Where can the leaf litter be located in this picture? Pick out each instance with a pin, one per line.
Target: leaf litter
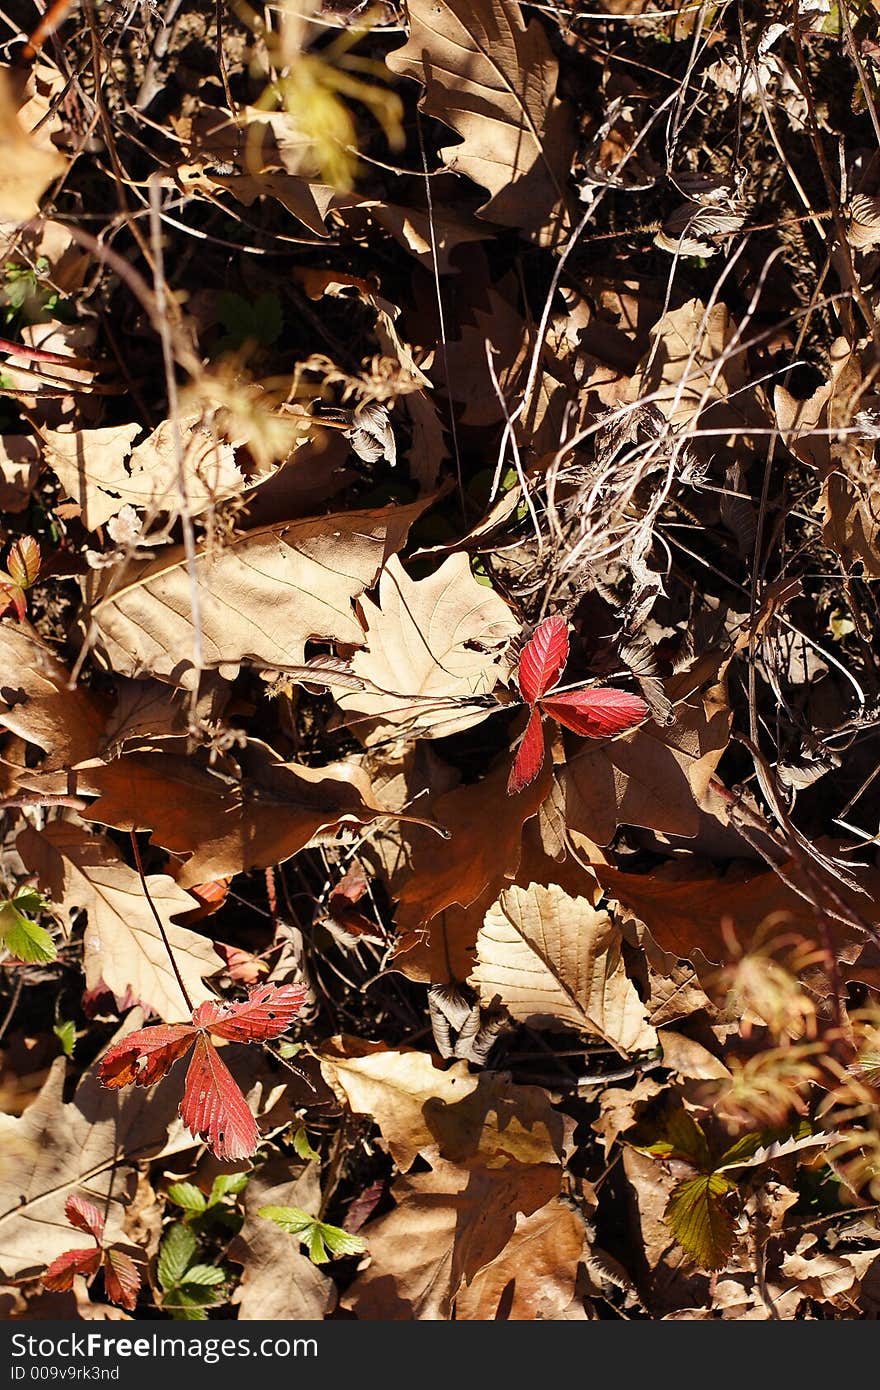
(439, 634)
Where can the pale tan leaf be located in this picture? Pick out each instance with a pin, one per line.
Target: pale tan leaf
(30, 162)
(492, 78)
(261, 596)
(56, 1150)
(555, 961)
(101, 471)
(431, 646)
(123, 948)
(19, 470)
(461, 1117)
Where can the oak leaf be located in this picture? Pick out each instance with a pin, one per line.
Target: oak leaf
(492, 78)
(534, 1277)
(433, 647)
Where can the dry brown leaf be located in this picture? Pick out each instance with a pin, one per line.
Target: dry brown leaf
(30, 162)
(261, 596)
(483, 850)
(82, 1147)
(19, 470)
(222, 826)
(448, 1225)
(101, 471)
(122, 945)
(431, 646)
(533, 1278)
(554, 960)
(492, 78)
(655, 778)
(450, 1113)
(279, 1281)
(37, 703)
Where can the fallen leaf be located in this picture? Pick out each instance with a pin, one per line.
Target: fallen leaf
(261, 596)
(432, 646)
(123, 948)
(555, 961)
(278, 1281)
(534, 1276)
(38, 703)
(492, 78)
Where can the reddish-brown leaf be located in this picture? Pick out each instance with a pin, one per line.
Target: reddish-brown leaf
(122, 1279)
(61, 1272)
(23, 561)
(12, 596)
(543, 658)
(85, 1216)
(529, 757)
(146, 1056)
(267, 1013)
(214, 1108)
(597, 713)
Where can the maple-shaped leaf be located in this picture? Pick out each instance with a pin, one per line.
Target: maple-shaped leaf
(529, 757)
(543, 659)
(213, 1106)
(598, 713)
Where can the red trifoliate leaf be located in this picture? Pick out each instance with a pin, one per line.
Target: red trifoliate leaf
(12, 596)
(530, 756)
(61, 1272)
(543, 658)
(85, 1216)
(598, 713)
(214, 1108)
(146, 1056)
(122, 1279)
(24, 561)
(267, 1013)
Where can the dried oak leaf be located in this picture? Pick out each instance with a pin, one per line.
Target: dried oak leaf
(101, 471)
(555, 961)
(262, 595)
(37, 703)
(492, 78)
(432, 646)
(122, 945)
(30, 161)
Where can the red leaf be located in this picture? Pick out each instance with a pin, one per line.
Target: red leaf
(12, 596)
(85, 1216)
(214, 1108)
(268, 1012)
(543, 658)
(122, 1279)
(24, 561)
(60, 1274)
(146, 1056)
(530, 756)
(596, 713)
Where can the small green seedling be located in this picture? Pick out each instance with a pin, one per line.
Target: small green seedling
(322, 1241)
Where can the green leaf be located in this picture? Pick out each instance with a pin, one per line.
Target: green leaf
(204, 1276)
(681, 1137)
(188, 1196)
(185, 1307)
(24, 939)
(179, 1245)
(323, 1241)
(259, 322)
(302, 1146)
(66, 1034)
(227, 1185)
(700, 1219)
